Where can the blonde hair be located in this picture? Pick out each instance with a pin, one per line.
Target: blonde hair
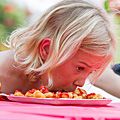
(71, 25)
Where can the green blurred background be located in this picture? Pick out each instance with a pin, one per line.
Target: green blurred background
(13, 16)
(113, 9)
(116, 29)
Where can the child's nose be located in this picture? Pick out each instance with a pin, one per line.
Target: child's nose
(79, 82)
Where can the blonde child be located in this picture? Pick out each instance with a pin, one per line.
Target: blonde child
(69, 42)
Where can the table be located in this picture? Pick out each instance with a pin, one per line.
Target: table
(28, 111)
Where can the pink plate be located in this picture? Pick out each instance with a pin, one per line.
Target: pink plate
(60, 101)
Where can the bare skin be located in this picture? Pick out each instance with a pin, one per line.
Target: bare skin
(109, 81)
(72, 73)
(13, 78)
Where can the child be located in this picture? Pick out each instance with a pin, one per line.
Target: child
(59, 50)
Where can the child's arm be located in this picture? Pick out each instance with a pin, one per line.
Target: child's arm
(109, 81)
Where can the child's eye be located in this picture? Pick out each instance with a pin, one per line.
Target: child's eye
(80, 69)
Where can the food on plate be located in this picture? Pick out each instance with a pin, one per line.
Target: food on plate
(38, 94)
(94, 96)
(44, 93)
(72, 95)
(49, 94)
(30, 93)
(18, 93)
(43, 89)
(80, 91)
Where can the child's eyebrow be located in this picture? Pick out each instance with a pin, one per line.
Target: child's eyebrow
(86, 64)
(90, 66)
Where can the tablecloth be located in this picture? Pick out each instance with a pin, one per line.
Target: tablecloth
(29, 111)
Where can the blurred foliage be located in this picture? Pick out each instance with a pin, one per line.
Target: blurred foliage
(11, 17)
(106, 5)
(116, 28)
(116, 24)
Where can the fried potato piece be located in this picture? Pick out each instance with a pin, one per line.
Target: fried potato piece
(94, 96)
(58, 94)
(30, 93)
(49, 95)
(43, 89)
(18, 93)
(65, 95)
(80, 91)
(38, 94)
(78, 97)
(84, 96)
(72, 95)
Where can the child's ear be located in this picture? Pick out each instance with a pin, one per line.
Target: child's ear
(44, 48)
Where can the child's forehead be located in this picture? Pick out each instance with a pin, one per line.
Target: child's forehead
(83, 54)
(89, 60)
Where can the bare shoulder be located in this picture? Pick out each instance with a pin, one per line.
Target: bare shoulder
(9, 74)
(6, 61)
(5, 57)
(11, 77)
